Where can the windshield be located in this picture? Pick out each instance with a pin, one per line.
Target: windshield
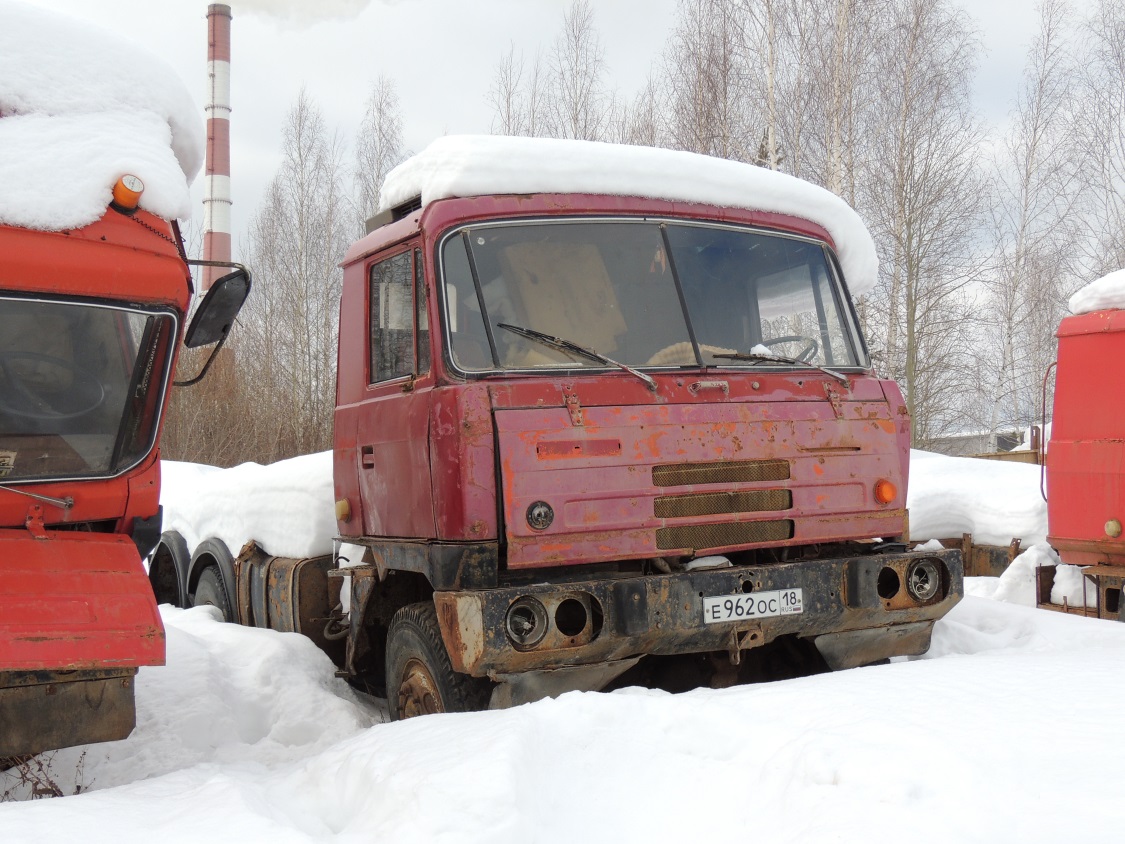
(81, 387)
(644, 293)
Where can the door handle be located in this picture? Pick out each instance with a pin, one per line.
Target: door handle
(367, 456)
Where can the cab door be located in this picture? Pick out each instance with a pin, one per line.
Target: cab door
(392, 424)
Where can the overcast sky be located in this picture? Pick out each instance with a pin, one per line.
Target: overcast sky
(442, 55)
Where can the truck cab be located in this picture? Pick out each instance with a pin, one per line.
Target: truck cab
(90, 322)
(580, 432)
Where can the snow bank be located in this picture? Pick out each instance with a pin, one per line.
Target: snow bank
(81, 106)
(477, 165)
(228, 695)
(857, 756)
(1107, 292)
(996, 502)
(288, 506)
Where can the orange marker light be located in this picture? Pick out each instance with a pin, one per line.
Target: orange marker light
(885, 491)
(127, 192)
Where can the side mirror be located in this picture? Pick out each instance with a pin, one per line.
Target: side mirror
(215, 316)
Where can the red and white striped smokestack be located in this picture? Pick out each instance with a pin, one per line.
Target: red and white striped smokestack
(216, 190)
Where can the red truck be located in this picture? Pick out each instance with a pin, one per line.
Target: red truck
(585, 438)
(90, 321)
(1085, 462)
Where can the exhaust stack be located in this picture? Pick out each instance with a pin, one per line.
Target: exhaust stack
(216, 190)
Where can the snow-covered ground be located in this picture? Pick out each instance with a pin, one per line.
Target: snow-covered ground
(1005, 731)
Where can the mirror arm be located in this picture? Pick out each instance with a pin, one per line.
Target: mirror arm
(206, 366)
(198, 262)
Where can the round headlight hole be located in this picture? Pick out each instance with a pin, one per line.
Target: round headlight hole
(571, 617)
(888, 583)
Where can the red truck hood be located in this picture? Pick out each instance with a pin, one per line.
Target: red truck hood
(75, 600)
(652, 480)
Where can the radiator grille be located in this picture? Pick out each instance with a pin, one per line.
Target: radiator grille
(711, 503)
(734, 472)
(721, 536)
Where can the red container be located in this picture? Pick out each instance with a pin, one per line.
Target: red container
(1086, 456)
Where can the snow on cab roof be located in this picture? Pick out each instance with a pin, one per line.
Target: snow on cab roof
(1107, 292)
(479, 165)
(80, 106)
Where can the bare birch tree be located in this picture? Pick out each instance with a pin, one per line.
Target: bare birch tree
(517, 96)
(923, 202)
(297, 238)
(1035, 189)
(1101, 134)
(706, 75)
(578, 104)
(378, 148)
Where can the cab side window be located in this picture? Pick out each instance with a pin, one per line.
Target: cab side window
(398, 302)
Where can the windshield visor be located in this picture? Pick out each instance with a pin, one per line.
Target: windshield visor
(644, 293)
(81, 387)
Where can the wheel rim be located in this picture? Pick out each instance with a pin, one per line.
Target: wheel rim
(417, 691)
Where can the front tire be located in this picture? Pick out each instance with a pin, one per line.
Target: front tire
(420, 678)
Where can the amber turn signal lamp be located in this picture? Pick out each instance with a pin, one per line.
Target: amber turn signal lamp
(885, 491)
(127, 193)
(343, 510)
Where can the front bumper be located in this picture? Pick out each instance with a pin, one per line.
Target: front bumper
(851, 609)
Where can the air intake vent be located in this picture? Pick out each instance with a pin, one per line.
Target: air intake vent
(699, 537)
(708, 504)
(739, 472)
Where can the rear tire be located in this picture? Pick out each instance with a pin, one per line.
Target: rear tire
(420, 678)
(209, 591)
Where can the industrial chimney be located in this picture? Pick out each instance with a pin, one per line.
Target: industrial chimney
(216, 189)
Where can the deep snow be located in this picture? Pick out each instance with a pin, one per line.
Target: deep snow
(1004, 732)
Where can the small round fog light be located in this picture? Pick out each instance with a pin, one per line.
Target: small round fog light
(540, 515)
(526, 622)
(923, 580)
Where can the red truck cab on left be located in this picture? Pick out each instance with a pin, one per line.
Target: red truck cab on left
(90, 321)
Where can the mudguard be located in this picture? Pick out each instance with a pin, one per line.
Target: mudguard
(73, 600)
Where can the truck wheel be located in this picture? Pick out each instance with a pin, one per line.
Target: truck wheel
(209, 590)
(420, 679)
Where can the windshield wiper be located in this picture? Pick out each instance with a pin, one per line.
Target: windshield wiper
(756, 358)
(63, 503)
(571, 346)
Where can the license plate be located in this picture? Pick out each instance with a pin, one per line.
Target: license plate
(718, 608)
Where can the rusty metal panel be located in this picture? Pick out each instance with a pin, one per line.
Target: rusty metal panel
(75, 601)
(663, 614)
(720, 472)
(45, 710)
(601, 504)
(713, 503)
